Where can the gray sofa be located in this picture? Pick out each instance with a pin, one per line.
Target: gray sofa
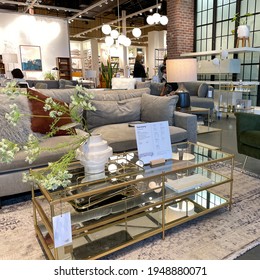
(115, 109)
(198, 92)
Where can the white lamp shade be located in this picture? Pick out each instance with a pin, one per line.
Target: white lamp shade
(136, 32)
(114, 34)
(121, 39)
(109, 41)
(163, 20)
(106, 29)
(150, 20)
(156, 18)
(181, 70)
(127, 42)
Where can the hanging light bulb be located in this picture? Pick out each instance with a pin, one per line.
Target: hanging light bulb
(106, 29)
(114, 34)
(109, 41)
(121, 39)
(127, 42)
(156, 18)
(150, 20)
(136, 32)
(163, 20)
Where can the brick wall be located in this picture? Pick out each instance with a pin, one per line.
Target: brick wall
(180, 28)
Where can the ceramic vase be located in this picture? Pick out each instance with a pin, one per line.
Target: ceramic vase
(243, 31)
(94, 154)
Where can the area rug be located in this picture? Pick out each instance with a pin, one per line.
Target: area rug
(222, 234)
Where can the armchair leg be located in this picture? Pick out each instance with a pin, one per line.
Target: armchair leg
(245, 162)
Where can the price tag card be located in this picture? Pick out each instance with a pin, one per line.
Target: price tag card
(62, 229)
(153, 141)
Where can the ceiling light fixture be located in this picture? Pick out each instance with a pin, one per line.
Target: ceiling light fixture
(115, 34)
(156, 18)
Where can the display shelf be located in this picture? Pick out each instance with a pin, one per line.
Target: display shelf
(111, 211)
(64, 67)
(159, 56)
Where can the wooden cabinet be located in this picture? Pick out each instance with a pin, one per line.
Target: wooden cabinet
(64, 66)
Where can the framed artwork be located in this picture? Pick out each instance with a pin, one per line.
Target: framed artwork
(31, 58)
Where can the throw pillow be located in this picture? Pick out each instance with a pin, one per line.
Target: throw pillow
(203, 90)
(123, 83)
(42, 124)
(64, 83)
(158, 108)
(111, 112)
(156, 88)
(19, 133)
(146, 84)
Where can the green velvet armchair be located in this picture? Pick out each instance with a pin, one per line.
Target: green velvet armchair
(248, 134)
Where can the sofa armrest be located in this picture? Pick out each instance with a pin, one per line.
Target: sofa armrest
(187, 122)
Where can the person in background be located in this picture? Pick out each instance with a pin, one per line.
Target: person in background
(139, 71)
(168, 88)
(18, 75)
(160, 72)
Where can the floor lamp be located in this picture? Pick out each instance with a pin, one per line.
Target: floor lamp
(180, 71)
(9, 59)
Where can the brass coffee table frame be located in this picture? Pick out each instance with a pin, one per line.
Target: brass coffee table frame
(144, 213)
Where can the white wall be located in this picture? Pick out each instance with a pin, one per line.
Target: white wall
(51, 34)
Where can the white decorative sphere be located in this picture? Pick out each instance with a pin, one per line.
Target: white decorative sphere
(163, 20)
(136, 32)
(106, 29)
(156, 18)
(216, 61)
(109, 41)
(114, 34)
(127, 42)
(150, 20)
(121, 39)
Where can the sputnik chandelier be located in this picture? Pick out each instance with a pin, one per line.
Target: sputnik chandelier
(156, 18)
(114, 34)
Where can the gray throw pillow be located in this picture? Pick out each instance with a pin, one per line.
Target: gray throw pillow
(64, 83)
(146, 84)
(111, 112)
(158, 108)
(156, 88)
(203, 90)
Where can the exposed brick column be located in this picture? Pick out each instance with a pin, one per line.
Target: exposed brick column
(180, 28)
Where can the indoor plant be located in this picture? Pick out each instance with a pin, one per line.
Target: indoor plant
(107, 72)
(242, 28)
(56, 173)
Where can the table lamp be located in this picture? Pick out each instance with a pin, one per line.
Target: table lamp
(180, 71)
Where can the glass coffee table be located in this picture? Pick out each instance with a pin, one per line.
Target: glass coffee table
(130, 201)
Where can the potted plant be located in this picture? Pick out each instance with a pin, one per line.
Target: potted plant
(107, 72)
(243, 29)
(49, 76)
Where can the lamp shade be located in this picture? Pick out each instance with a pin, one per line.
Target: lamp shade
(181, 70)
(10, 58)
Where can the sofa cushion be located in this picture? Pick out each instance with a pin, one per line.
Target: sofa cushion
(192, 87)
(251, 138)
(111, 112)
(60, 94)
(119, 94)
(203, 90)
(146, 84)
(122, 138)
(64, 83)
(42, 124)
(202, 102)
(156, 88)
(19, 133)
(158, 108)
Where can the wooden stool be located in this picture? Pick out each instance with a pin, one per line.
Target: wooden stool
(243, 39)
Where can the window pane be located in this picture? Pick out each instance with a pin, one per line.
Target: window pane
(243, 8)
(203, 45)
(251, 7)
(225, 12)
(204, 17)
(209, 45)
(220, 2)
(231, 42)
(257, 21)
(219, 13)
(224, 42)
(255, 71)
(218, 41)
(255, 57)
(258, 6)
(203, 34)
(198, 46)
(210, 16)
(248, 57)
(210, 4)
(198, 33)
(225, 30)
(210, 31)
(205, 6)
(218, 31)
(199, 5)
(256, 42)
(232, 10)
(247, 69)
(199, 19)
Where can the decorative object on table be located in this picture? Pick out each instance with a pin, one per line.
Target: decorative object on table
(49, 117)
(94, 154)
(243, 29)
(180, 71)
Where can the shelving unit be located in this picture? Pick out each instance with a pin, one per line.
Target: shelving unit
(159, 56)
(2, 66)
(113, 210)
(64, 66)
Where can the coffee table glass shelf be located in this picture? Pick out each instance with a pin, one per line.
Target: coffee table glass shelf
(130, 202)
